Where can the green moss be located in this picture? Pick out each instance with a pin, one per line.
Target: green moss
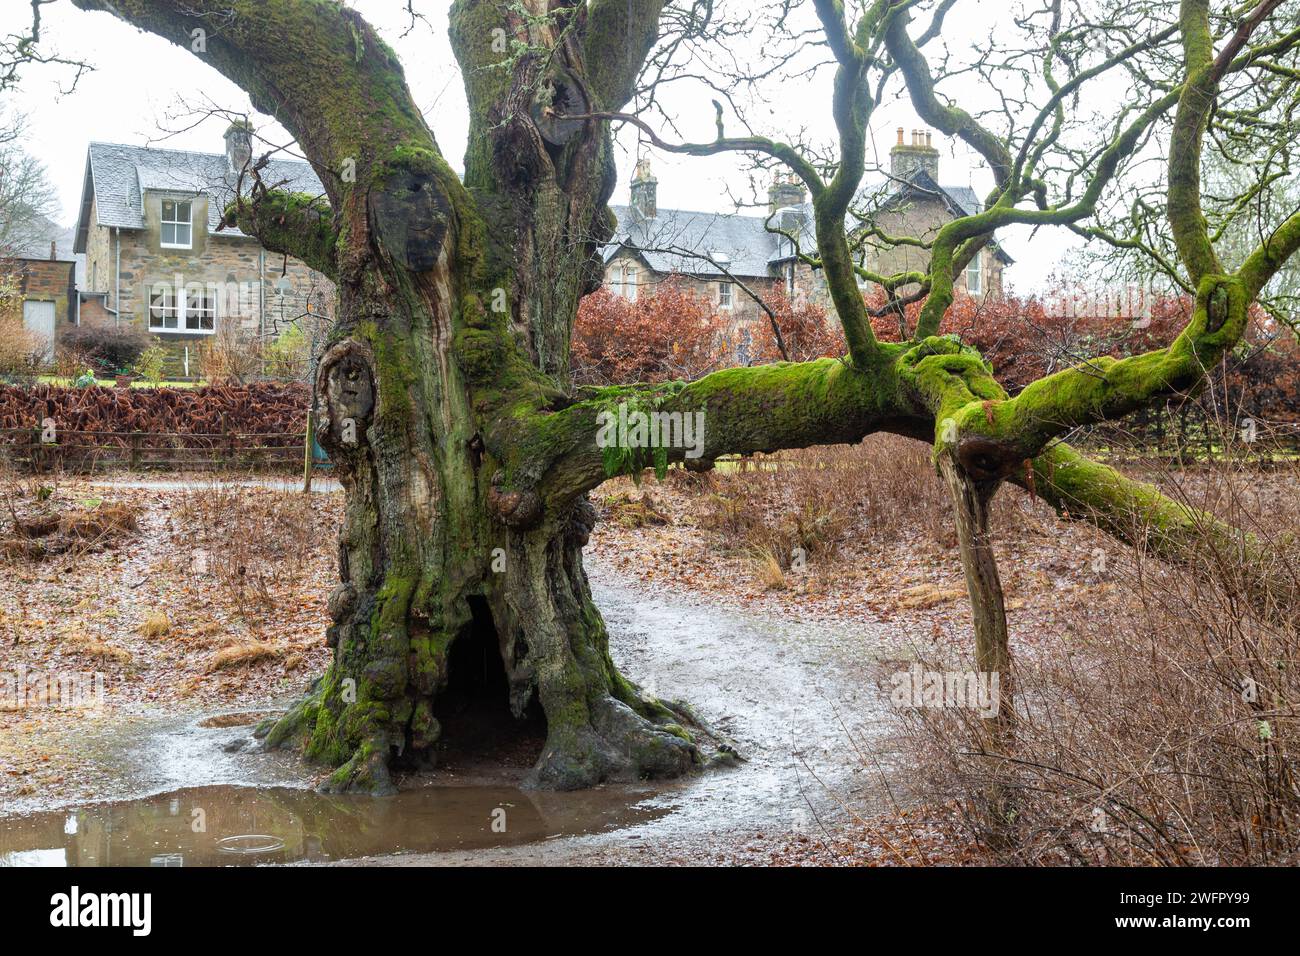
(395, 373)
(479, 352)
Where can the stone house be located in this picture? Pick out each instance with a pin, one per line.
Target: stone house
(913, 203)
(725, 257)
(148, 229)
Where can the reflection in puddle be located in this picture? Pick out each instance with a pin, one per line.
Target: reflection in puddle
(240, 826)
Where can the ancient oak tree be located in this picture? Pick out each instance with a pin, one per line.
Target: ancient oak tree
(445, 397)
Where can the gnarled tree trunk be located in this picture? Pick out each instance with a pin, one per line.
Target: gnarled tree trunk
(455, 317)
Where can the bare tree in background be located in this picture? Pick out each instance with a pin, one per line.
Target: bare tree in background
(28, 201)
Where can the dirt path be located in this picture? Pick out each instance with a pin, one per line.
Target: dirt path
(798, 701)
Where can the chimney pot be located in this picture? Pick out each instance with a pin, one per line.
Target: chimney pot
(239, 147)
(905, 159)
(784, 193)
(645, 191)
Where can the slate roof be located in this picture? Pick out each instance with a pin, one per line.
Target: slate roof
(666, 242)
(740, 243)
(118, 176)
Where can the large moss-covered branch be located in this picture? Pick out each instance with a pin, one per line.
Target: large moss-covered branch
(315, 65)
(1138, 514)
(295, 224)
(547, 457)
(559, 454)
(1106, 388)
(327, 76)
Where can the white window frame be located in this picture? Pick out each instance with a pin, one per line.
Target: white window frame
(177, 222)
(188, 306)
(160, 312)
(629, 282)
(725, 294)
(200, 304)
(974, 270)
(789, 280)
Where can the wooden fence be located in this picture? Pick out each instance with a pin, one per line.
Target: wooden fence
(39, 450)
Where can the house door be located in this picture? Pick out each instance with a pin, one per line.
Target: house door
(38, 318)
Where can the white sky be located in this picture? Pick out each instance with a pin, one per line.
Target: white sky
(143, 87)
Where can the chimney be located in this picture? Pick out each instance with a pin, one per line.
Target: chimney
(906, 158)
(785, 191)
(239, 146)
(52, 253)
(645, 189)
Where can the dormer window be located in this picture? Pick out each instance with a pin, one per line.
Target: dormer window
(177, 224)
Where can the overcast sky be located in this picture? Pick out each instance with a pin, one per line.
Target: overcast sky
(144, 91)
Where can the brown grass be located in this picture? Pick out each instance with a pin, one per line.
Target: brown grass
(156, 624)
(243, 654)
(87, 646)
(1157, 725)
(252, 540)
(633, 511)
(104, 520)
(929, 595)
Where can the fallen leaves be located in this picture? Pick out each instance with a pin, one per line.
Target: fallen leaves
(166, 618)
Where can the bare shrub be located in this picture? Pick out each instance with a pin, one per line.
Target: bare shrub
(20, 348)
(231, 355)
(107, 349)
(884, 488)
(71, 362)
(254, 540)
(1155, 728)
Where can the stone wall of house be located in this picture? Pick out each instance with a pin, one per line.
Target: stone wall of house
(922, 218)
(743, 308)
(245, 280)
(94, 311)
(46, 280)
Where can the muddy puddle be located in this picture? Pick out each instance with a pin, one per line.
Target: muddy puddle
(247, 826)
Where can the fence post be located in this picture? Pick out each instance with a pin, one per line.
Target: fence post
(307, 454)
(136, 438)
